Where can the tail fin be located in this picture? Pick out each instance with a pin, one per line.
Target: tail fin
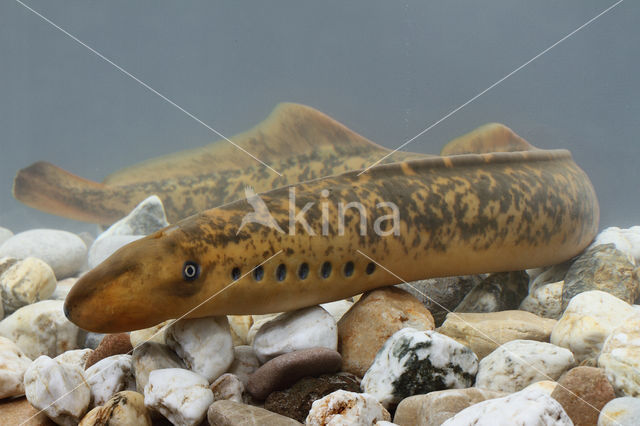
(53, 190)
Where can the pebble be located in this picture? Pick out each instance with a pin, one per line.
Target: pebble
(5, 234)
(151, 334)
(544, 300)
(63, 251)
(524, 408)
(58, 389)
(13, 364)
(240, 326)
(77, 357)
(104, 247)
(372, 320)
(337, 309)
(284, 370)
(346, 408)
(245, 362)
(125, 408)
(602, 268)
(295, 402)
(546, 386)
(414, 362)
(231, 413)
(203, 344)
(519, 363)
(63, 288)
(589, 318)
(110, 375)
(484, 332)
(18, 411)
(111, 344)
(146, 218)
(92, 340)
(620, 357)
(182, 396)
(293, 331)
(42, 329)
(625, 240)
(26, 281)
(228, 386)
(435, 408)
(151, 356)
(441, 295)
(582, 392)
(497, 292)
(552, 274)
(257, 321)
(624, 411)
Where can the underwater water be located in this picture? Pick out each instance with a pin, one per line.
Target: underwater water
(387, 70)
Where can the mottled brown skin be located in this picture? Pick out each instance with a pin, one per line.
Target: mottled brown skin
(459, 215)
(298, 141)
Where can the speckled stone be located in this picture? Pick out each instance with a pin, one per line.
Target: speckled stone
(372, 320)
(111, 344)
(25, 282)
(583, 391)
(414, 362)
(109, 376)
(346, 408)
(18, 411)
(227, 386)
(623, 411)
(42, 328)
(497, 292)
(13, 364)
(620, 357)
(296, 401)
(124, 408)
(441, 295)
(230, 413)
(283, 371)
(435, 408)
(527, 407)
(545, 300)
(519, 363)
(590, 317)
(625, 240)
(602, 268)
(484, 332)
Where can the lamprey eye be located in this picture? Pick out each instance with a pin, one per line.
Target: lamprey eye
(190, 270)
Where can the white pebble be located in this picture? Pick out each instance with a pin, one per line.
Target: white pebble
(415, 362)
(524, 408)
(63, 251)
(623, 411)
(25, 282)
(77, 357)
(292, 331)
(102, 248)
(620, 357)
(343, 408)
(587, 321)
(146, 218)
(204, 344)
(13, 364)
(42, 329)
(58, 389)
(110, 375)
(180, 395)
(519, 363)
(5, 234)
(625, 240)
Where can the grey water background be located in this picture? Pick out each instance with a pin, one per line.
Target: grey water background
(386, 69)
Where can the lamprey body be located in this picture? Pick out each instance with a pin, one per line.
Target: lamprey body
(458, 214)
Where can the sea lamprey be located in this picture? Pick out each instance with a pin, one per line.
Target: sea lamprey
(428, 217)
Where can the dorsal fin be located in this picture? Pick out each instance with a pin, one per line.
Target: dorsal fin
(491, 137)
(290, 130)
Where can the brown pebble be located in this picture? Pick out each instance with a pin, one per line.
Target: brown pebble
(284, 370)
(582, 392)
(18, 411)
(111, 344)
